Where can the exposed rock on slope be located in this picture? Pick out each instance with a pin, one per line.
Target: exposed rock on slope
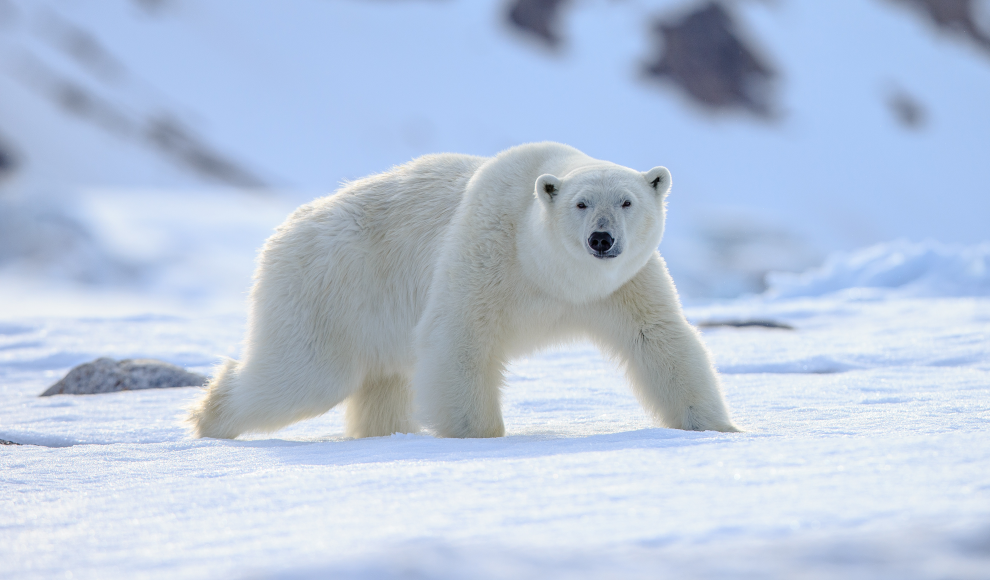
(958, 16)
(538, 18)
(7, 162)
(704, 54)
(61, 61)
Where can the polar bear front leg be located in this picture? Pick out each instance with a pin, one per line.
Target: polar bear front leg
(666, 361)
(459, 374)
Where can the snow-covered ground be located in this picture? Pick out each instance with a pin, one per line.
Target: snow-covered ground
(865, 456)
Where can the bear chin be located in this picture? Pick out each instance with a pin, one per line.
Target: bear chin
(605, 256)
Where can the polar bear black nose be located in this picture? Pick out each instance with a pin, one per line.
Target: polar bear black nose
(600, 241)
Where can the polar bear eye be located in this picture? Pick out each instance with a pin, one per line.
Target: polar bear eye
(626, 203)
(581, 205)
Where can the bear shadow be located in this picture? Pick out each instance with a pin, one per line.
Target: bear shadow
(424, 447)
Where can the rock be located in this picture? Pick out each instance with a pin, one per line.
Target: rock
(105, 375)
(960, 17)
(908, 111)
(7, 160)
(538, 18)
(745, 324)
(704, 53)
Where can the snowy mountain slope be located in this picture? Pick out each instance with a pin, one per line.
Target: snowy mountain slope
(307, 96)
(133, 251)
(76, 115)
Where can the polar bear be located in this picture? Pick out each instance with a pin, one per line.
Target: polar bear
(412, 289)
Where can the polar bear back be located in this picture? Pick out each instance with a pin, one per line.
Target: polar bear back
(358, 264)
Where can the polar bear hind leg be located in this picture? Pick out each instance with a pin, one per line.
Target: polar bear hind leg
(240, 399)
(381, 407)
(211, 415)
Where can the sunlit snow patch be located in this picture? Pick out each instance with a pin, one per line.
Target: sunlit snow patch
(910, 269)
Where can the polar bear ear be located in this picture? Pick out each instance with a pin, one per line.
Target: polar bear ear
(659, 179)
(547, 187)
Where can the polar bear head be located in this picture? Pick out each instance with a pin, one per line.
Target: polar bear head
(607, 219)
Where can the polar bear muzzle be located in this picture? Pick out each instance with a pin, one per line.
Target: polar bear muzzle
(602, 245)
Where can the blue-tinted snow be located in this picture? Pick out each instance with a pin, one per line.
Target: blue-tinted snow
(910, 269)
(869, 465)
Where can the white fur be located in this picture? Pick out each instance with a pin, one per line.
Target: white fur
(415, 287)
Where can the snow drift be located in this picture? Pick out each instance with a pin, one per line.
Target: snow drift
(910, 269)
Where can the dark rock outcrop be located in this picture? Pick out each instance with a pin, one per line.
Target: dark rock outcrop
(537, 18)
(746, 324)
(703, 53)
(908, 111)
(7, 161)
(105, 375)
(955, 16)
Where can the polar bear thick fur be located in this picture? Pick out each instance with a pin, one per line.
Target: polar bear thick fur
(412, 289)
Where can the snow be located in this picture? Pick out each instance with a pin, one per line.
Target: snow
(865, 456)
(330, 91)
(135, 251)
(915, 269)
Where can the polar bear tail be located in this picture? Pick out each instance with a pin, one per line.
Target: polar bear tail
(212, 414)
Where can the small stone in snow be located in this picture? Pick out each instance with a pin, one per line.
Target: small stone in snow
(105, 375)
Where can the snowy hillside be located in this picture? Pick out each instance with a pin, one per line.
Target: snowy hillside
(878, 129)
(922, 269)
